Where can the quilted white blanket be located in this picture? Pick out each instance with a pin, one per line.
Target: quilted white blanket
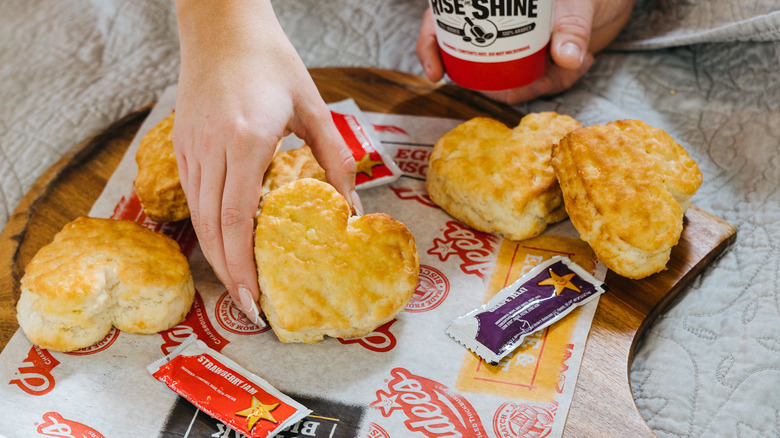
(710, 366)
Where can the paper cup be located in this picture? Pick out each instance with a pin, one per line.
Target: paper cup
(492, 45)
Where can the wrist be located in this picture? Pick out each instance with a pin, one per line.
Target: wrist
(216, 30)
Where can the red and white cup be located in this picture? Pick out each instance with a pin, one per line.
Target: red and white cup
(491, 45)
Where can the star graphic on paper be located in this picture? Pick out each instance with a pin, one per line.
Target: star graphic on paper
(386, 403)
(366, 165)
(560, 282)
(258, 411)
(443, 249)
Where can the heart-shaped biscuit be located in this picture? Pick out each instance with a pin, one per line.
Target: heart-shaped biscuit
(322, 272)
(102, 272)
(499, 180)
(626, 186)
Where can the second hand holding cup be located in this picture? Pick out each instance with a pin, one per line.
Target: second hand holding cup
(492, 47)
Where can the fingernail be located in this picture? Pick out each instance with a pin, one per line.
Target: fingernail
(249, 306)
(356, 203)
(571, 50)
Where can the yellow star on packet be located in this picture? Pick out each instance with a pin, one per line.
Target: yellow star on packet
(258, 411)
(366, 165)
(560, 282)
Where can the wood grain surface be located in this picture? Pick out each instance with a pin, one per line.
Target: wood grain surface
(602, 406)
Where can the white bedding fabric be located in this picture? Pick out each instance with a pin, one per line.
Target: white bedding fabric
(710, 366)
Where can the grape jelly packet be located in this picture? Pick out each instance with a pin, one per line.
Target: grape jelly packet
(548, 292)
(226, 391)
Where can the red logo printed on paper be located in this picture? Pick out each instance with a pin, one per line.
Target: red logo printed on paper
(431, 408)
(99, 346)
(197, 322)
(431, 290)
(376, 431)
(516, 419)
(35, 376)
(56, 426)
(419, 194)
(130, 208)
(392, 129)
(234, 320)
(413, 160)
(564, 368)
(474, 248)
(380, 340)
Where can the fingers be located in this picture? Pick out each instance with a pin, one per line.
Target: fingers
(223, 185)
(556, 80)
(609, 18)
(572, 25)
(314, 124)
(569, 49)
(242, 186)
(205, 204)
(428, 49)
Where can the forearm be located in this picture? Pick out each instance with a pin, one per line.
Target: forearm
(220, 36)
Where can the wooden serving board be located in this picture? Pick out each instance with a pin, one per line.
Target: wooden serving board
(602, 405)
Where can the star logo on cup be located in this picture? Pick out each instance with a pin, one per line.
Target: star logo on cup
(560, 282)
(258, 411)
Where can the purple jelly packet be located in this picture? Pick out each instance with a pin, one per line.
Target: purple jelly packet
(547, 293)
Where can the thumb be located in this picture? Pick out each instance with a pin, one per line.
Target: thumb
(317, 129)
(572, 25)
(428, 49)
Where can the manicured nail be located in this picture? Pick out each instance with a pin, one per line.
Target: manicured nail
(249, 306)
(356, 203)
(571, 50)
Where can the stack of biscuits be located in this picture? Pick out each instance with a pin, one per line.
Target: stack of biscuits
(625, 185)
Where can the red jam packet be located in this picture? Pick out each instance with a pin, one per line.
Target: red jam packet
(547, 293)
(226, 391)
(373, 166)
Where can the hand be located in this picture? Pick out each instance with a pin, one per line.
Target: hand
(242, 88)
(580, 30)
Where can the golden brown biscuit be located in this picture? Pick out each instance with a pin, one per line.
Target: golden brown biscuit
(499, 180)
(157, 185)
(102, 272)
(289, 166)
(626, 186)
(322, 272)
